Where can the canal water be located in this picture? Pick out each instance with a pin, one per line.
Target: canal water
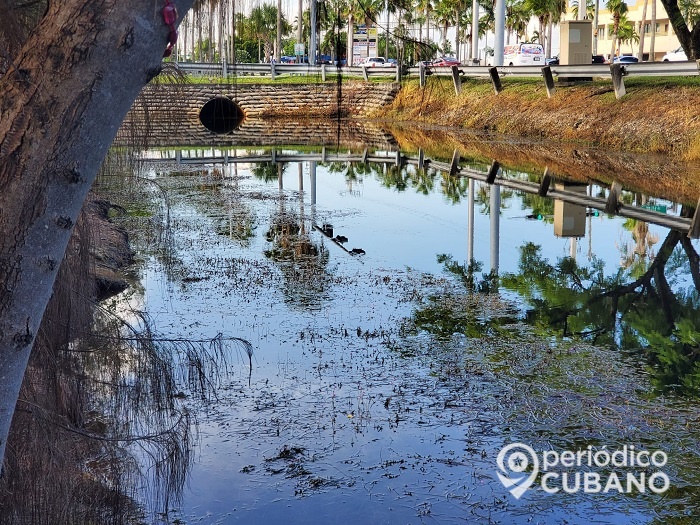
(387, 372)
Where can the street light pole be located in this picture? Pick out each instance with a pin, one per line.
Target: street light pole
(500, 30)
(475, 32)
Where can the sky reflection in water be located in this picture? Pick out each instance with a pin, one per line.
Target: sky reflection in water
(357, 415)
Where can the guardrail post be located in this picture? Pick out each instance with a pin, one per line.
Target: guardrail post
(421, 158)
(548, 80)
(454, 166)
(456, 79)
(398, 72)
(365, 154)
(399, 159)
(323, 72)
(495, 80)
(273, 156)
(694, 231)
(493, 171)
(272, 70)
(617, 71)
(224, 68)
(544, 185)
(613, 203)
(421, 73)
(364, 73)
(323, 154)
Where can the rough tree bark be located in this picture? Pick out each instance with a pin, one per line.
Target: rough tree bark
(688, 38)
(61, 103)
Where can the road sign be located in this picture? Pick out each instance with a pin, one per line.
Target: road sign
(661, 208)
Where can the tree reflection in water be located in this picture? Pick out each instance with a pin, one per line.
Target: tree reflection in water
(302, 261)
(647, 311)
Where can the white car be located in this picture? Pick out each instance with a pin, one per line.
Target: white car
(373, 62)
(677, 55)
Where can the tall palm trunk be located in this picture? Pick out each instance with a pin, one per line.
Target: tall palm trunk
(199, 35)
(351, 38)
(232, 33)
(278, 39)
(458, 28)
(221, 23)
(210, 30)
(642, 25)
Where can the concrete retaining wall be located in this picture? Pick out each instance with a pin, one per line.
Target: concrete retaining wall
(169, 115)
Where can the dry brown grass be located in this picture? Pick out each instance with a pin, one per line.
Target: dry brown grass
(658, 117)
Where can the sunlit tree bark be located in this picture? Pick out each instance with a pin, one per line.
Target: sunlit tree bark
(61, 102)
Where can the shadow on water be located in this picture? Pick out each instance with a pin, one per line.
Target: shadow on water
(101, 433)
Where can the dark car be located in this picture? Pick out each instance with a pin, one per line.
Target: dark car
(626, 59)
(596, 59)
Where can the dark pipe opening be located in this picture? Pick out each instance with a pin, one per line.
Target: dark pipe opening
(221, 115)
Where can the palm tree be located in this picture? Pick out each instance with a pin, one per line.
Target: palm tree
(590, 9)
(627, 34)
(617, 8)
(368, 10)
(445, 16)
(517, 17)
(263, 27)
(544, 10)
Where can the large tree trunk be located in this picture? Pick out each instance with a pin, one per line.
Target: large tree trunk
(61, 102)
(689, 39)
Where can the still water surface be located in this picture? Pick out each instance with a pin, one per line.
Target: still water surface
(384, 383)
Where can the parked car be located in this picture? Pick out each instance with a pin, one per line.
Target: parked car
(677, 55)
(288, 59)
(625, 59)
(445, 62)
(595, 59)
(392, 62)
(372, 62)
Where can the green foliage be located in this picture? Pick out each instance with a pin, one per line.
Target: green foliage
(567, 299)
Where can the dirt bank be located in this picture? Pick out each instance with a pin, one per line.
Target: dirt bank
(656, 115)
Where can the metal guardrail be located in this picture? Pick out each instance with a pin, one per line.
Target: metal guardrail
(274, 70)
(615, 72)
(611, 204)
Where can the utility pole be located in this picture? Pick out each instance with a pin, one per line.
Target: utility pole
(499, 33)
(475, 32)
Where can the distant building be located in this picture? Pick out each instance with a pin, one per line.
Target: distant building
(665, 37)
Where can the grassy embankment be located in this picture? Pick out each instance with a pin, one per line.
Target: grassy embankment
(656, 115)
